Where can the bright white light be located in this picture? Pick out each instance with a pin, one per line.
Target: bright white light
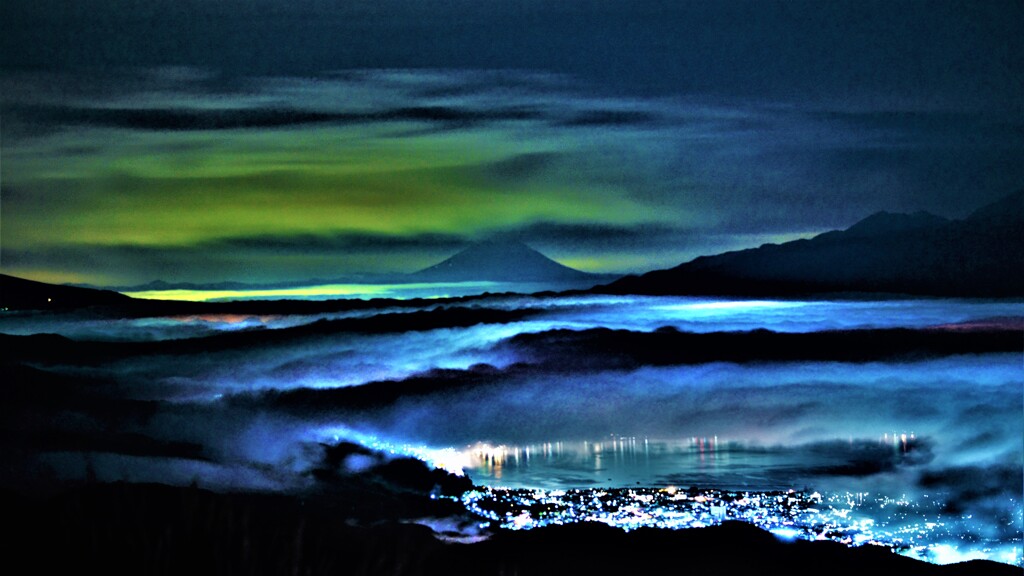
(948, 554)
(447, 459)
(732, 305)
(785, 533)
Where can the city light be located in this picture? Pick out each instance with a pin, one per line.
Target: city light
(919, 529)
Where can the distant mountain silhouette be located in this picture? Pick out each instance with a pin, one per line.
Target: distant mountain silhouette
(919, 254)
(159, 285)
(881, 223)
(494, 261)
(501, 262)
(18, 293)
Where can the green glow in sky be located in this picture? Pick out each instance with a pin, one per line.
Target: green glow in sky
(120, 178)
(317, 182)
(165, 191)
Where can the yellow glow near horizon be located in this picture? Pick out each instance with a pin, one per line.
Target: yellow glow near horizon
(398, 291)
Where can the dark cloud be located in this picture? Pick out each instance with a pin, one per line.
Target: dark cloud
(185, 119)
(596, 236)
(312, 243)
(936, 53)
(926, 123)
(372, 396)
(973, 483)
(521, 166)
(984, 493)
(607, 118)
(167, 262)
(150, 262)
(867, 457)
(454, 115)
(615, 349)
(981, 440)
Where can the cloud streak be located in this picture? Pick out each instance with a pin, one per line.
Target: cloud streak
(180, 119)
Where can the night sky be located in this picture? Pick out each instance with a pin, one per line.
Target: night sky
(265, 140)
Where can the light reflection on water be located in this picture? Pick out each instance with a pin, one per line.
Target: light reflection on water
(698, 461)
(631, 482)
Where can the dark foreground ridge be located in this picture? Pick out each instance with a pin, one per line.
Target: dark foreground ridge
(21, 294)
(143, 529)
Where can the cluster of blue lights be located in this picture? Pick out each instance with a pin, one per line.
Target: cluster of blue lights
(914, 528)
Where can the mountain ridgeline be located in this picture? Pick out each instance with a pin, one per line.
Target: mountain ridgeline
(501, 262)
(919, 254)
(21, 294)
(914, 254)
